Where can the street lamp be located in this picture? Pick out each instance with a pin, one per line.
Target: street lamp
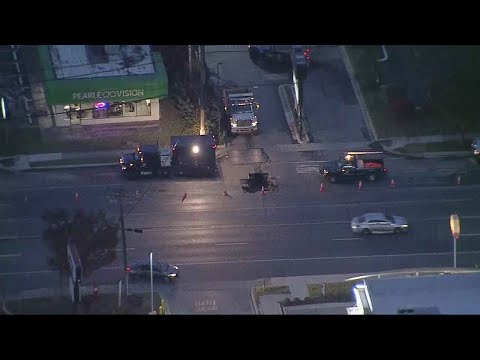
(455, 228)
(151, 280)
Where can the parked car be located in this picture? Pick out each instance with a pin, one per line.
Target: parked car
(160, 269)
(379, 223)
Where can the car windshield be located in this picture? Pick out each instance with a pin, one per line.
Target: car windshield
(389, 218)
(361, 219)
(242, 108)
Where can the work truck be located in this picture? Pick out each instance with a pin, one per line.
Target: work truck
(241, 111)
(186, 155)
(355, 165)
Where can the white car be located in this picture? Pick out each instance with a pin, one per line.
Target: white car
(379, 223)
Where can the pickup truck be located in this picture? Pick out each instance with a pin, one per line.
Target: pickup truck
(355, 165)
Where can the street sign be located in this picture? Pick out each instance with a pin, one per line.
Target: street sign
(74, 262)
(455, 226)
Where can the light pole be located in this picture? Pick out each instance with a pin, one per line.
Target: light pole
(151, 280)
(455, 228)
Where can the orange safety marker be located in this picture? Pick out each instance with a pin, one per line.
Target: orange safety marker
(360, 185)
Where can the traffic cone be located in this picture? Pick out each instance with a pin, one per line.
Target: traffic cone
(263, 191)
(360, 185)
(459, 180)
(184, 196)
(77, 196)
(322, 189)
(392, 183)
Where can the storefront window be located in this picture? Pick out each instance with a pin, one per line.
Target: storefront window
(104, 109)
(144, 108)
(130, 109)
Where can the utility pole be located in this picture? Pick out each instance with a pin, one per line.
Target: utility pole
(124, 242)
(190, 65)
(202, 89)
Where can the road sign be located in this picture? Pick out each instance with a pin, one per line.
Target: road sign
(455, 226)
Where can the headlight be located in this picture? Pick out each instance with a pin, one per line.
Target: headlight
(172, 275)
(354, 226)
(234, 124)
(195, 149)
(476, 152)
(254, 123)
(404, 226)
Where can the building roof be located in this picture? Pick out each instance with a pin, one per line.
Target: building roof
(93, 61)
(444, 294)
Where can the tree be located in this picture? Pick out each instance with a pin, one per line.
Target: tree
(95, 235)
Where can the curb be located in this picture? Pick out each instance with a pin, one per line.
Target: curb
(252, 297)
(223, 152)
(358, 94)
(288, 113)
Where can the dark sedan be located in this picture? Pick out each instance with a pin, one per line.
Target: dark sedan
(160, 270)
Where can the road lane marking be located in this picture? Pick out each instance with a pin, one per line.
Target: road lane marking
(327, 258)
(463, 235)
(406, 202)
(128, 249)
(347, 239)
(245, 226)
(10, 255)
(232, 243)
(449, 253)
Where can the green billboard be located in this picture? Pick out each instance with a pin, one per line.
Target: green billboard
(113, 88)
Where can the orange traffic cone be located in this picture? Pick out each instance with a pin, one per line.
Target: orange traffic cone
(322, 189)
(392, 183)
(360, 185)
(77, 196)
(459, 180)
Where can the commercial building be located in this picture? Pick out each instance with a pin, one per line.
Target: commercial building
(99, 84)
(416, 293)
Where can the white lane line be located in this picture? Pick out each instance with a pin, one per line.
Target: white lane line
(404, 202)
(15, 237)
(10, 255)
(246, 226)
(128, 249)
(463, 235)
(449, 253)
(233, 243)
(347, 239)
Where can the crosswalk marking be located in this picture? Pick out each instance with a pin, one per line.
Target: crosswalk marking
(308, 169)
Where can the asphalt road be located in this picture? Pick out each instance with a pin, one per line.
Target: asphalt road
(231, 240)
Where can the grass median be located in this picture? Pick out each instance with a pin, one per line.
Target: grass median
(269, 290)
